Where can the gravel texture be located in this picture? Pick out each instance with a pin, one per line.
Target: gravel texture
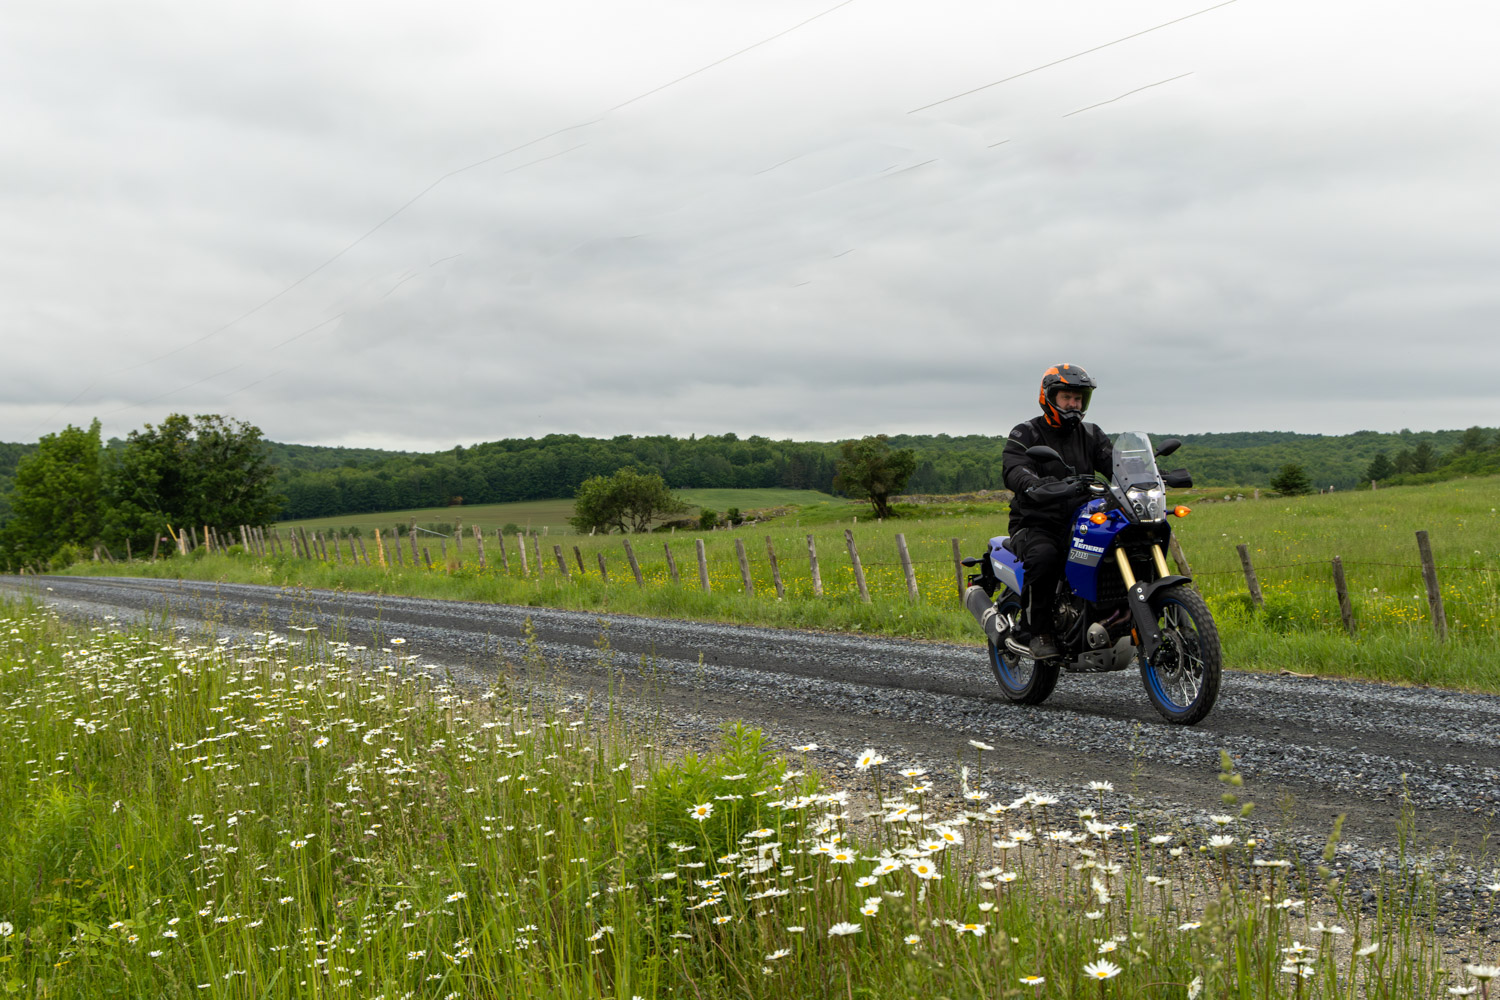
(1308, 748)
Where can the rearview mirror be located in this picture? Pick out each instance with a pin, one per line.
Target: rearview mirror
(1167, 447)
(1178, 479)
(1043, 453)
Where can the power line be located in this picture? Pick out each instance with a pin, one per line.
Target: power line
(1127, 93)
(1076, 55)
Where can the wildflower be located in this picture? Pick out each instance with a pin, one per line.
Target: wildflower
(866, 881)
(1368, 949)
(6, 929)
(1159, 839)
(1221, 821)
(843, 929)
(1108, 946)
(778, 953)
(1191, 925)
(723, 919)
(1033, 980)
(871, 907)
(1318, 928)
(794, 929)
(284, 900)
(321, 741)
(1220, 842)
(924, 869)
(1483, 973)
(397, 642)
(702, 812)
(806, 748)
(1101, 970)
(917, 772)
(454, 897)
(868, 759)
(297, 845)
(912, 939)
(1463, 991)
(843, 857)
(412, 956)
(980, 746)
(760, 834)
(975, 929)
(1101, 786)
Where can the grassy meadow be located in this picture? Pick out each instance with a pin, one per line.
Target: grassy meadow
(290, 816)
(1291, 542)
(553, 515)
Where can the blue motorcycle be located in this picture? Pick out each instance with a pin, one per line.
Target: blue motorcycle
(1118, 603)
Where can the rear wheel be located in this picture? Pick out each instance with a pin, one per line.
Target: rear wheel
(1024, 680)
(1182, 679)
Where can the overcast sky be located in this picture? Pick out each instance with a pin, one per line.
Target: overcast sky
(1267, 215)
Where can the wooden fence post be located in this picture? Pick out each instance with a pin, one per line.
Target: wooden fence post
(479, 544)
(859, 571)
(635, 567)
(603, 573)
(380, 549)
(536, 550)
(671, 563)
(363, 555)
(504, 559)
(812, 559)
(958, 568)
(775, 569)
(1178, 556)
(702, 566)
(1434, 595)
(521, 547)
(906, 567)
(739, 550)
(396, 548)
(443, 548)
(338, 556)
(458, 540)
(157, 547)
(1346, 610)
(578, 554)
(426, 558)
(411, 533)
(1250, 580)
(562, 564)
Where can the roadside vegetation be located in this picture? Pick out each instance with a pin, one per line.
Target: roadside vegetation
(1291, 542)
(293, 816)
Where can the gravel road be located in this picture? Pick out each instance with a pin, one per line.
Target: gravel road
(1308, 748)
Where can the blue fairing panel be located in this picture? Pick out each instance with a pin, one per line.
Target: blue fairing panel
(1007, 567)
(1088, 545)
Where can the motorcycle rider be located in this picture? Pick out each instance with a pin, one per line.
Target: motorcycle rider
(1041, 511)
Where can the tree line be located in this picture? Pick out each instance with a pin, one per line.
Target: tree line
(70, 492)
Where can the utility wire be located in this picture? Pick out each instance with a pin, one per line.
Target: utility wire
(1076, 55)
(1127, 93)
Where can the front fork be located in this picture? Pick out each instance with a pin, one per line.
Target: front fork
(1146, 631)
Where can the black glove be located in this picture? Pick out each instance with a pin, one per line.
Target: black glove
(1057, 492)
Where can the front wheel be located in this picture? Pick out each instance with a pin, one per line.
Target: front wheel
(1024, 680)
(1182, 679)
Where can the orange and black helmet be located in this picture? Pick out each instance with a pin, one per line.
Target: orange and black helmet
(1060, 377)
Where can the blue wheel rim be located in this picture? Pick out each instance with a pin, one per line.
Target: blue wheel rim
(1176, 678)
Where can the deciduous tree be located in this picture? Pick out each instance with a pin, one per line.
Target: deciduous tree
(627, 501)
(57, 499)
(869, 469)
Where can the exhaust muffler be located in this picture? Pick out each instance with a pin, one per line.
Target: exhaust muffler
(984, 612)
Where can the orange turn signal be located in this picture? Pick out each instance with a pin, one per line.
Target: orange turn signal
(1099, 517)
(1182, 511)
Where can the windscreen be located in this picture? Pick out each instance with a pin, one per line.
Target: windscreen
(1135, 473)
(1135, 461)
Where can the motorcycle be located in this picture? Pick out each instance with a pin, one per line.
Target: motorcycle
(1118, 604)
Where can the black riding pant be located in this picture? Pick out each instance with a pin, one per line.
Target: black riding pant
(1042, 553)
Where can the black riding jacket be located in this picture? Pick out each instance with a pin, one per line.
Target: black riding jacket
(1082, 445)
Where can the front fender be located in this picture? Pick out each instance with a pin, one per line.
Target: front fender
(1144, 610)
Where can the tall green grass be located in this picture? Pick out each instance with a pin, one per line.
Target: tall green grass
(289, 816)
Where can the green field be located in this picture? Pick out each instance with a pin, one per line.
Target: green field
(552, 515)
(1291, 542)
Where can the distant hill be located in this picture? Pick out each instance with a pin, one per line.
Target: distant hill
(322, 481)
